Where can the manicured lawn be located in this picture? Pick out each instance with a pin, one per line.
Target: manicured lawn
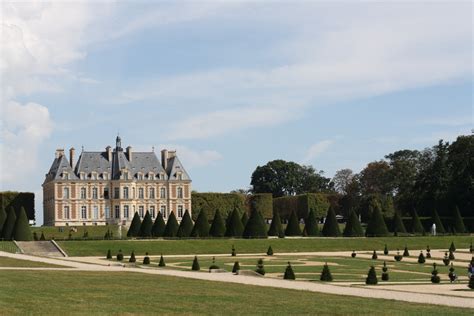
(221, 246)
(96, 293)
(10, 262)
(8, 246)
(63, 232)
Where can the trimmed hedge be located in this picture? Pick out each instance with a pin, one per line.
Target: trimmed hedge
(331, 227)
(244, 219)
(397, 224)
(458, 224)
(17, 200)
(262, 202)
(134, 229)
(172, 226)
(146, 226)
(311, 227)
(376, 226)
(9, 226)
(201, 226)
(22, 230)
(416, 227)
(437, 221)
(256, 227)
(353, 226)
(275, 227)
(159, 226)
(210, 202)
(302, 204)
(3, 219)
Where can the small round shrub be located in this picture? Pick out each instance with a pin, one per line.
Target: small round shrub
(398, 256)
(446, 259)
(451, 255)
(353, 254)
(146, 259)
(260, 268)
(233, 251)
(120, 256)
(421, 258)
(452, 276)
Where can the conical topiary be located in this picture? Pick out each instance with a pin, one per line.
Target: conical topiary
(452, 248)
(289, 274)
(146, 259)
(471, 282)
(437, 221)
(397, 224)
(236, 267)
(374, 255)
(172, 226)
(201, 226)
(195, 266)
(293, 226)
(353, 227)
(186, 226)
(9, 226)
(376, 226)
(260, 268)
(218, 225)
(234, 227)
(371, 277)
(311, 227)
(109, 254)
(421, 258)
(405, 252)
(3, 219)
(434, 275)
(458, 224)
(233, 253)
(132, 257)
(120, 255)
(451, 255)
(42, 236)
(244, 219)
(385, 250)
(452, 276)
(159, 225)
(146, 226)
(269, 251)
(385, 276)
(416, 227)
(134, 229)
(326, 274)
(162, 261)
(256, 227)
(22, 230)
(275, 227)
(331, 226)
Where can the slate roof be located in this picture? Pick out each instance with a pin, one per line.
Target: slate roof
(175, 166)
(58, 168)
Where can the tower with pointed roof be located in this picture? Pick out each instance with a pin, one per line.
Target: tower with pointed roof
(109, 187)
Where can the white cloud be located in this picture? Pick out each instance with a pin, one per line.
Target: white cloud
(316, 150)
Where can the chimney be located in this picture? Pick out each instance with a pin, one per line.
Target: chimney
(108, 149)
(71, 157)
(129, 153)
(171, 154)
(164, 158)
(59, 153)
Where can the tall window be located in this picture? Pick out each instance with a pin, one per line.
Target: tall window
(94, 193)
(125, 211)
(107, 211)
(66, 212)
(163, 193)
(133, 193)
(125, 192)
(96, 212)
(117, 211)
(180, 193)
(163, 211)
(106, 193)
(83, 193)
(140, 193)
(140, 211)
(180, 211)
(152, 193)
(152, 211)
(83, 212)
(140, 176)
(125, 175)
(180, 176)
(151, 176)
(66, 193)
(116, 193)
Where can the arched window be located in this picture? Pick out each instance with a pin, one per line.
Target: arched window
(163, 193)
(66, 193)
(83, 193)
(180, 193)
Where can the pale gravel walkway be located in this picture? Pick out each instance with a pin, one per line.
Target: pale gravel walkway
(422, 298)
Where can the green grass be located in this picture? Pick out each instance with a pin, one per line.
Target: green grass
(96, 293)
(222, 246)
(93, 231)
(8, 246)
(10, 262)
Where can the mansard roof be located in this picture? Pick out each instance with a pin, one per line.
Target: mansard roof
(59, 167)
(174, 167)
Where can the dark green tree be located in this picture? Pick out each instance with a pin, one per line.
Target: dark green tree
(434, 275)
(385, 276)
(234, 227)
(437, 221)
(218, 225)
(416, 226)
(146, 259)
(269, 251)
(452, 276)
(353, 227)
(452, 247)
(109, 254)
(397, 224)
(9, 226)
(233, 253)
(458, 224)
(213, 265)
(201, 226)
(3, 219)
(471, 282)
(331, 226)
(195, 266)
(311, 227)
(132, 258)
(119, 255)
(146, 226)
(275, 227)
(376, 226)
(374, 255)
(293, 226)
(421, 258)
(158, 228)
(385, 250)
(162, 261)
(405, 252)
(260, 268)
(186, 226)
(22, 230)
(289, 274)
(134, 229)
(326, 274)
(371, 277)
(236, 267)
(172, 226)
(256, 227)
(245, 219)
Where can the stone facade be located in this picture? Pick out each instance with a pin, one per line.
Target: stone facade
(109, 187)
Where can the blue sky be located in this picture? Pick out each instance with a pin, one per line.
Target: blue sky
(231, 85)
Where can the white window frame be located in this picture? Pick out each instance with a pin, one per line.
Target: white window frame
(180, 211)
(83, 212)
(66, 212)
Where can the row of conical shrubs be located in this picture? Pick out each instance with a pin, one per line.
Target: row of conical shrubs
(14, 225)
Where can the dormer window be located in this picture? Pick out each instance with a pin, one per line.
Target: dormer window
(151, 176)
(162, 176)
(180, 176)
(125, 175)
(93, 176)
(82, 176)
(104, 176)
(66, 176)
(140, 176)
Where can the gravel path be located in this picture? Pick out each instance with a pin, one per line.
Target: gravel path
(377, 292)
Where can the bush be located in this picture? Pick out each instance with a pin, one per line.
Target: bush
(289, 274)
(158, 228)
(437, 221)
(353, 227)
(195, 266)
(452, 276)
(311, 227)
(162, 261)
(471, 282)
(233, 251)
(293, 226)
(120, 256)
(109, 254)
(301, 204)
(376, 226)
(434, 275)
(451, 255)
(261, 202)
(398, 256)
(17, 200)
(421, 258)
(269, 251)
(371, 277)
(471, 249)
(236, 267)
(234, 227)
(22, 230)
(256, 227)
(416, 226)
(186, 226)
(260, 268)
(201, 226)
(397, 225)
(452, 248)
(458, 224)
(134, 229)
(3, 218)
(446, 259)
(331, 227)
(374, 255)
(405, 252)
(210, 202)
(428, 252)
(213, 265)
(218, 226)
(9, 226)
(146, 259)
(42, 236)
(35, 236)
(385, 276)
(172, 226)
(146, 226)
(275, 227)
(326, 274)
(244, 219)
(385, 250)
(132, 257)
(353, 254)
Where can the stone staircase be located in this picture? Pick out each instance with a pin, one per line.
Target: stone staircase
(40, 248)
